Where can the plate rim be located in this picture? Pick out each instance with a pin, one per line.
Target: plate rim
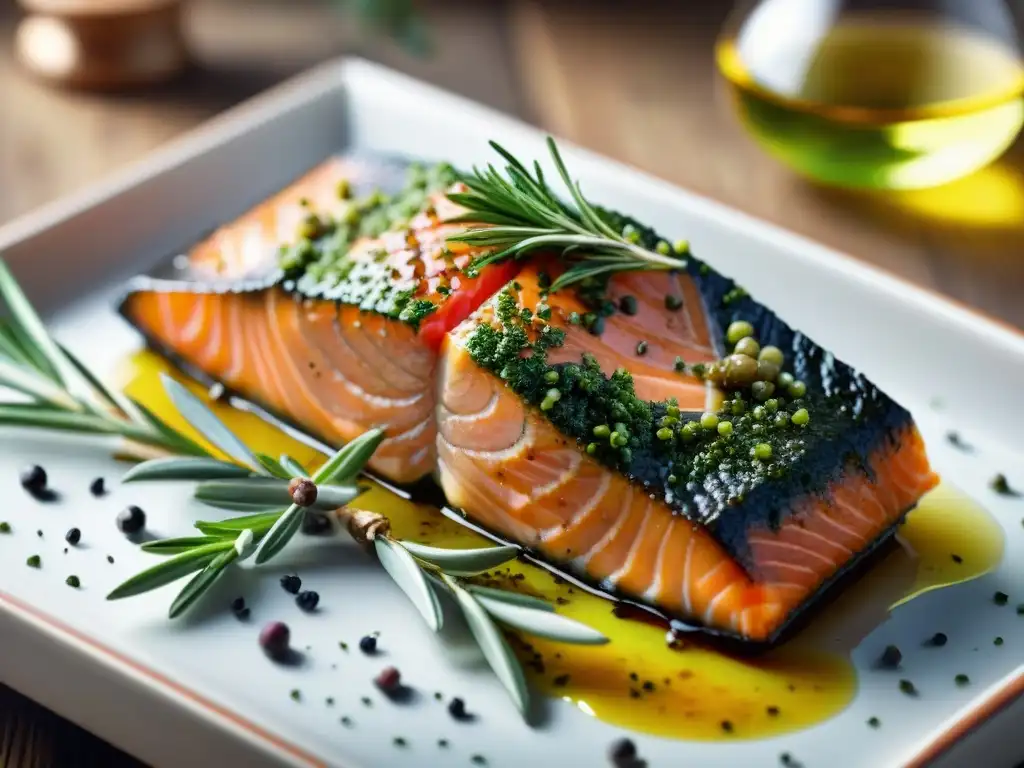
(339, 73)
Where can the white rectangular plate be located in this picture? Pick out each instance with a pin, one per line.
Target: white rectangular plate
(201, 693)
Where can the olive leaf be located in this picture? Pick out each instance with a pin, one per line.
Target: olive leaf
(348, 462)
(292, 466)
(269, 492)
(207, 424)
(409, 577)
(259, 523)
(493, 645)
(508, 596)
(542, 623)
(184, 468)
(287, 525)
(202, 581)
(179, 545)
(169, 570)
(462, 560)
(271, 465)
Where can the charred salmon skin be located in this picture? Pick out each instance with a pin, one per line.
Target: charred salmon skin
(336, 331)
(660, 434)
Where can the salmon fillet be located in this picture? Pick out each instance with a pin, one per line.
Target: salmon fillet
(732, 549)
(582, 424)
(336, 354)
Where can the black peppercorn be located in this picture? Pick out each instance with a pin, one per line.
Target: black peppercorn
(315, 523)
(33, 479)
(291, 583)
(307, 600)
(73, 581)
(73, 536)
(131, 520)
(938, 639)
(97, 487)
(457, 709)
(368, 644)
(908, 688)
(622, 753)
(890, 658)
(238, 604)
(1000, 598)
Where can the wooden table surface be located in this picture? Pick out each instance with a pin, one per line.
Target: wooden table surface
(633, 80)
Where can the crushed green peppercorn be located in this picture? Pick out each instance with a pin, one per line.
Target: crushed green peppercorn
(34, 561)
(73, 581)
(5, 527)
(800, 417)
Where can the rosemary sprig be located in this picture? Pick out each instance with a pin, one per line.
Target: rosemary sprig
(521, 214)
(60, 392)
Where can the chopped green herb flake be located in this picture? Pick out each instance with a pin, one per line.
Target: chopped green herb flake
(73, 581)
(962, 679)
(295, 694)
(5, 527)
(34, 561)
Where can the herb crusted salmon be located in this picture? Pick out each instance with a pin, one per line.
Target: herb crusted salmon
(574, 384)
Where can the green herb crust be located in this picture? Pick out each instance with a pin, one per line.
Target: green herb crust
(762, 450)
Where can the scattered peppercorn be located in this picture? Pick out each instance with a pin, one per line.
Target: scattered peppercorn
(73, 581)
(622, 753)
(368, 644)
(98, 487)
(33, 479)
(874, 722)
(399, 741)
(457, 709)
(772, 711)
(478, 760)
(110, 558)
(956, 559)
(997, 641)
(938, 639)
(131, 520)
(303, 491)
(34, 561)
(1020, 608)
(291, 583)
(307, 600)
(275, 639)
(787, 760)
(442, 743)
(673, 303)
(39, 533)
(962, 679)
(890, 658)
(73, 536)
(295, 695)
(343, 645)
(641, 348)
(367, 701)
(957, 441)
(388, 680)
(5, 527)
(908, 688)
(346, 721)
(315, 523)
(1000, 598)
(1001, 486)
(727, 726)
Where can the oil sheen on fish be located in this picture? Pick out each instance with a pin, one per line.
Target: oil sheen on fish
(599, 426)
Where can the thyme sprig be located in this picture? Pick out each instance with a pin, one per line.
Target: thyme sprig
(521, 214)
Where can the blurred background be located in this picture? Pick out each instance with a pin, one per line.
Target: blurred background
(893, 138)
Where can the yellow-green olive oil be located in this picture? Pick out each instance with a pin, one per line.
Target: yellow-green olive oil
(688, 689)
(883, 102)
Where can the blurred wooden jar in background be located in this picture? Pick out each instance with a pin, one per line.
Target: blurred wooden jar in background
(102, 44)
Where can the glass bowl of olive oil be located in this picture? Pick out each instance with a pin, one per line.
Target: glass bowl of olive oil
(878, 95)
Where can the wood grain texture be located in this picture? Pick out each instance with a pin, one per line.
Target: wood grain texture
(634, 80)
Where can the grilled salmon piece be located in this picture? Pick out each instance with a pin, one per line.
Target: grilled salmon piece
(730, 542)
(334, 351)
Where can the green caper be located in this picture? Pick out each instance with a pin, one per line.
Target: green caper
(310, 227)
(784, 380)
(772, 354)
(664, 433)
(344, 189)
(725, 428)
(767, 371)
(681, 247)
(747, 346)
(760, 412)
(737, 330)
(551, 377)
(663, 248)
(739, 371)
(709, 421)
(591, 448)
(781, 420)
(672, 410)
(671, 479)
(738, 407)
(797, 389)
(762, 390)
(800, 417)
(602, 430)
(771, 405)
(762, 451)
